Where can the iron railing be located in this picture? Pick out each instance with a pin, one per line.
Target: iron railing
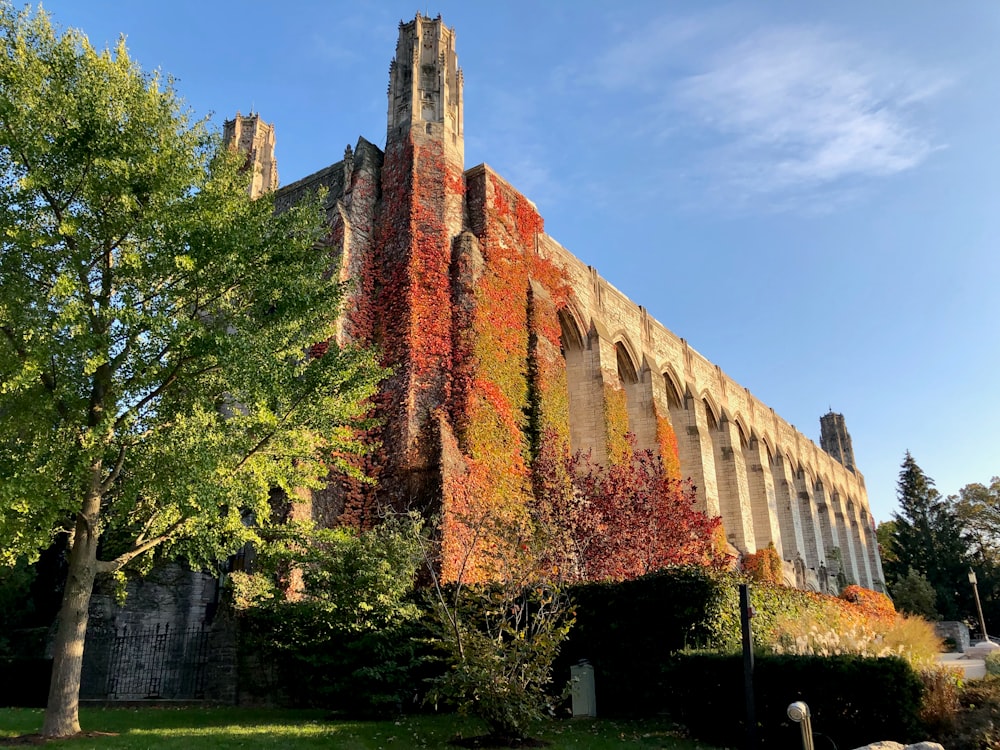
(158, 663)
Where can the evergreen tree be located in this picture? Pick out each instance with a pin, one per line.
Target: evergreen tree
(977, 507)
(915, 595)
(928, 540)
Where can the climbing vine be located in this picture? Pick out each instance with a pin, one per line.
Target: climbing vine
(666, 440)
(616, 423)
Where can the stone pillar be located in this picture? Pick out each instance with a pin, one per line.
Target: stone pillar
(789, 515)
(604, 364)
(861, 545)
(734, 490)
(827, 524)
(812, 531)
(847, 552)
(763, 504)
(861, 548)
(584, 382)
(641, 398)
(697, 453)
(874, 556)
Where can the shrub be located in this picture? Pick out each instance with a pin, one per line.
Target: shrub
(911, 638)
(853, 700)
(914, 639)
(993, 662)
(874, 605)
(499, 640)
(292, 657)
(500, 645)
(940, 705)
(976, 726)
(347, 634)
(626, 629)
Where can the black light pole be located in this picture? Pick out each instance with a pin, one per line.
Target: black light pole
(979, 607)
(745, 614)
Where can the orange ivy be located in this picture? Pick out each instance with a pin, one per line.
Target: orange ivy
(666, 440)
(872, 604)
(491, 389)
(764, 565)
(616, 424)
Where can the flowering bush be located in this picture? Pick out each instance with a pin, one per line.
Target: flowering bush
(911, 638)
(873, 604)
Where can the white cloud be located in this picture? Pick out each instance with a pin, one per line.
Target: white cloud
(810, 109)
(783, 114)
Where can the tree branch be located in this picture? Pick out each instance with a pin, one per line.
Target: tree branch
(267, 438)
(115, 471)
(112, 566)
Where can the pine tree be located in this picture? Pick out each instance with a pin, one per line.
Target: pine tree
(927, 539)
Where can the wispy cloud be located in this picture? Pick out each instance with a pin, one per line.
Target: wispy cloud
(781, 114)
(810, 110)
(640, 58)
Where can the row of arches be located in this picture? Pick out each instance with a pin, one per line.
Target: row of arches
(816, 518)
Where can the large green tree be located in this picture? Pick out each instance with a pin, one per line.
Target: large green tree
(154, 324)
(927, 539)
(977, 507)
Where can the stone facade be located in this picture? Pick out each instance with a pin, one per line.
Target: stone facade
(420, 232)
(499, 338)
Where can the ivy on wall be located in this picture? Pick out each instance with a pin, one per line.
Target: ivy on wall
(470, 328)
(616, 421)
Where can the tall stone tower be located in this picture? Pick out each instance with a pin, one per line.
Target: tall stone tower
(422, 212)
(425, 88)
(255, 138)
(835, 439)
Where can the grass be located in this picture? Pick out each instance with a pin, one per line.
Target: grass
(223, 728)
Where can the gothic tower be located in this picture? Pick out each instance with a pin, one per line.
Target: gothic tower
(835, 439)
(425, 88)
(422, 211)
(255, 138)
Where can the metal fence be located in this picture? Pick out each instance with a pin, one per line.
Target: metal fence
(158, 663)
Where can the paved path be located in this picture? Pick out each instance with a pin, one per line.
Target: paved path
(972, 669)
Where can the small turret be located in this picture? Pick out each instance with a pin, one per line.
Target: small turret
(835, 439)
(255, 138)
(425, 87)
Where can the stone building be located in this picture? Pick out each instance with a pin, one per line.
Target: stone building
(479, 311)
(499, 338)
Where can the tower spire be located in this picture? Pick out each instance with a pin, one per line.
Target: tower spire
(252, 136)
(835, 439)
(425, 87)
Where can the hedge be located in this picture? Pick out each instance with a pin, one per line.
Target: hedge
(629, 630)
(854, 700)
(296, 661)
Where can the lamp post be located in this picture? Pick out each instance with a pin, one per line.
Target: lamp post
(979, 607)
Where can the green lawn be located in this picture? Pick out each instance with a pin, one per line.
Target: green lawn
(213, 728)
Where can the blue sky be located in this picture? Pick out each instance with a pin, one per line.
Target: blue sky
(806, 192)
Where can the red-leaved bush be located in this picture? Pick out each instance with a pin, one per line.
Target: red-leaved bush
(619, 521)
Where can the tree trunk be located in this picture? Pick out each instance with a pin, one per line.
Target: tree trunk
(62, 714)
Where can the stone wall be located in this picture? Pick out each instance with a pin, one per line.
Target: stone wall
(406, 228)
(769, 482)
(163, 642)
